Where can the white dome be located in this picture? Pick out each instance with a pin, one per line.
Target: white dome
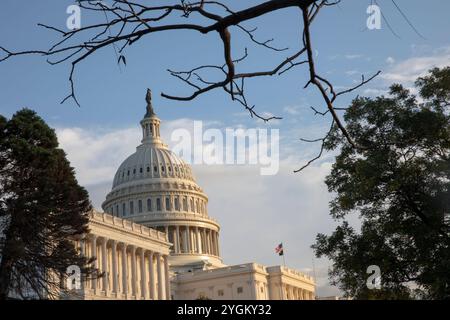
(151, 161)
(156, 188)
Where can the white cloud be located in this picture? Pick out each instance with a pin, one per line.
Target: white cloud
(96, 154)
(407, 71)
(292, 110)
(352, 72)
(353, 56)
(372, 92)
(390, 60)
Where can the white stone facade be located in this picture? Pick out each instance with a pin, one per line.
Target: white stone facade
(133, 258)
(249, 281)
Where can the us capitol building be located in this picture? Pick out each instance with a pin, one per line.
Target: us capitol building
(156, 240)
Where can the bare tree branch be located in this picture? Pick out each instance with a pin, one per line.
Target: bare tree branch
(130, 21)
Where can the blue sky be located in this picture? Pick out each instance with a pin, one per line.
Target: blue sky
(112, 103)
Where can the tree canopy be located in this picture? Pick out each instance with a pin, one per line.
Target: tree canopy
(398, 182)
(42, 209)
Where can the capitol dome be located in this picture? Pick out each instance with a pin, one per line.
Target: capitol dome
(156, 188)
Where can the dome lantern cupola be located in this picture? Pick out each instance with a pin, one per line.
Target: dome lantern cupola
(150, 123)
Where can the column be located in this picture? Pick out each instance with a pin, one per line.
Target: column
(213, 242)
(177, 237)
(185, 240)
(143, 276)
(188, 240)
(159, 272)
(208, 241)
(124, 270)
(217, 243)
(94, 255)
(198, 239)
(133, 271)
(174, 239)
(152, 276)
(105, 266)
(114, 265)
(204, 244)
(167, 276)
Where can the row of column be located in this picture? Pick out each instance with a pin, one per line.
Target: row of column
(189, 239)
(295, 293)
(128, 271)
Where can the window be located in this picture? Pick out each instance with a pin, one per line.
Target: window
(162, 168)
(123, 210)
(220, 293)
(155, 168)
(131, 207)
(158, 204)
(123, 174)
(140, 206)
(128, 173)
(117, 209)
(140, 170)
(192, 205)
(170, 169)
(177, 204)
(134, 171)
(148, 169)
(167, 203)
(240, 290)
(184, 204)
(149, 204)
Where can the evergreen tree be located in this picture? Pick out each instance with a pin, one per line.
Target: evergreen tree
(42, 209)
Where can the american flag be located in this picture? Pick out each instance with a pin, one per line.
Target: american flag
(279, 249)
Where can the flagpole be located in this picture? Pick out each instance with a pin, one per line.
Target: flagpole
(284, 259)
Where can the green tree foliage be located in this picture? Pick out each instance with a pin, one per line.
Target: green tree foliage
(42, 208)
(398, 181)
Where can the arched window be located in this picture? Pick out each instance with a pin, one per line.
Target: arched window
(167, 203)
(140, 206)
(158, 204)
(128, 173)
(123, 209)
(155, 168)
(149, 204)
(131, 207)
